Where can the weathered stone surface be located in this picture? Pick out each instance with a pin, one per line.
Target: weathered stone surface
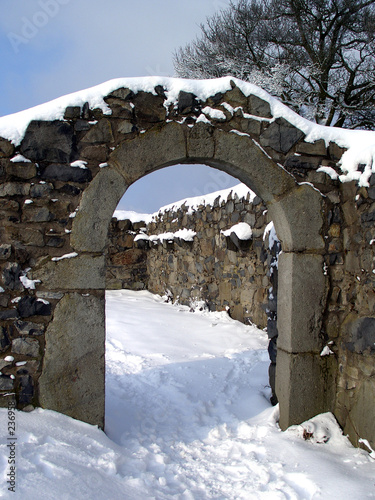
(6, 383)
(32, 237)
(26, 387)
(58, 172)
(82, 272)
(21, 170)
(125, 127)
(259, 107)
(28, 328)
(25, 347)
(101, 197)
(6, 148)
(4, 339)
(200, 142)
(299, 387)
(36, 214)
(100, 133)
(148, 152)
(149, 107)
(5, 251)
(11, 276)
(8, 314)
(14, 189)
(72, 381)
(361, 423)
(281, 136)
(301, 302)
(72, 112)
(187, 102)
(122, 93)
(359, 334)
(40, 190)
(298, 219)
(241, 157)
(312, 148)
(48, 141)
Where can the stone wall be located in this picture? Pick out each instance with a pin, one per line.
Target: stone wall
(222, 271)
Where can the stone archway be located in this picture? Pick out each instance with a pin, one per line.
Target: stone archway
(169, 144)
(89, 159)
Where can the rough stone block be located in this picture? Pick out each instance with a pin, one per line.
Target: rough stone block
(200, 142)
(298, 219)
(259, 107)
(21, 170)
(64, 173)
(100, 133)
(301, 302)
(100, 198)
(14, 189)
(161, 146)
(72, 381)
(299, 387)
(5, 251)
(6, 148)
(281, 136)
(361, 422)
(26, 347)
(48, 141)
(81, 272)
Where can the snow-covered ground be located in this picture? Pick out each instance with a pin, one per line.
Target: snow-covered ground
(187, 417)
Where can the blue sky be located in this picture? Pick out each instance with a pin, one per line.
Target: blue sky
(53, 47)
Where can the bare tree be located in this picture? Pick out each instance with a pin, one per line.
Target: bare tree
(317, 56)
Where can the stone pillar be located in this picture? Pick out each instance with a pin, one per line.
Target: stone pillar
(72, 381)
(301, 297)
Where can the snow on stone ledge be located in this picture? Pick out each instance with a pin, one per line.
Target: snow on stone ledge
(360, 144)
(240, 191)
(182, 234)
(242, 230)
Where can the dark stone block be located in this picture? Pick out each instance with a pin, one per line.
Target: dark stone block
(11, 276)
(48, 141)
(5, 251)
(301, 163)
(8, 314)
(55, 242)
(72, 112)
(82, 126)
(30, 306)
(259, 107)
(4, 339)
(187, 102)
(281, 136)
(40, 190)
(26, 387)
(6, 383)
(57, 172)
(368, 217)
(149, 107)
(362, 333)
(70, 190)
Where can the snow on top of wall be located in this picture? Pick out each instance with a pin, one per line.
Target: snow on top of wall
(359, 143)
(242, 230)
(238, 192)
